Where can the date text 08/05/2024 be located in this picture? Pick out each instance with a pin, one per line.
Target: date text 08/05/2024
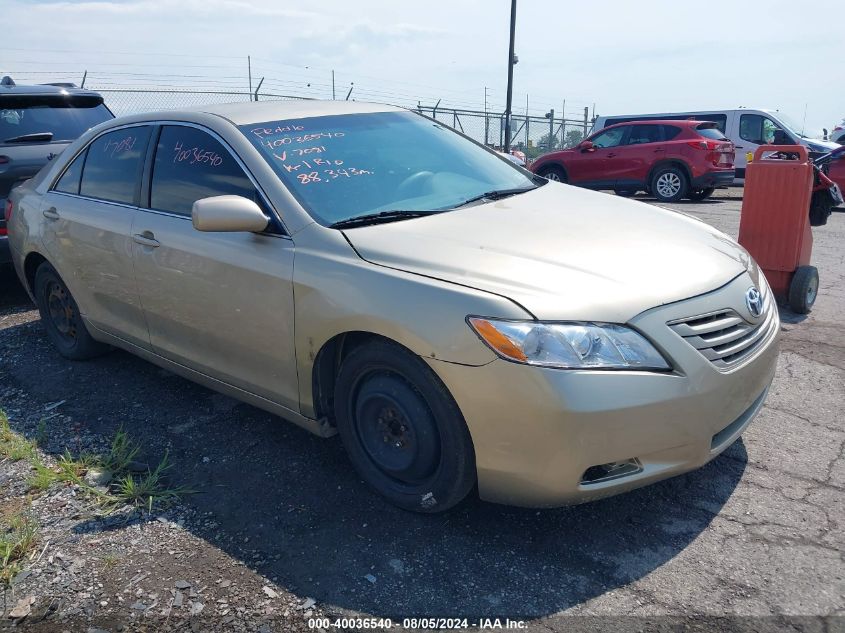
(415, 623)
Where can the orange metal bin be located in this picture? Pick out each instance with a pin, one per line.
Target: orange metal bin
(775, 226)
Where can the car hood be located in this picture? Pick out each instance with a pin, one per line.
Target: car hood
(818, 145)
(562, 252)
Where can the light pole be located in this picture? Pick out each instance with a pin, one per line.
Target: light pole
(512, 59)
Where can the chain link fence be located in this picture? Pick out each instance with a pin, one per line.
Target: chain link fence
(532, 135)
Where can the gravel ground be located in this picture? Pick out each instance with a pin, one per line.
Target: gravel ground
(280, 530)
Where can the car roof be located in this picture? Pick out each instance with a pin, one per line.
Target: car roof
(37, 90)
(248, 112)
(691, 122)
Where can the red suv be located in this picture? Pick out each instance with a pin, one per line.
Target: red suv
(668, 159)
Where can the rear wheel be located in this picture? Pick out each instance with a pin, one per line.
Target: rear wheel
(669, 184)
(61, 318)
(804, 289)
(701, 194)
(402, 429)
(552, 172)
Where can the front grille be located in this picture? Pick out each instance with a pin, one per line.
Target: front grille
(725, 338)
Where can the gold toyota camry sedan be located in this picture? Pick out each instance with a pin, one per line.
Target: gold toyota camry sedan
(360, 269)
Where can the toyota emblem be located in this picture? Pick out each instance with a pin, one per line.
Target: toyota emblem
(754, 301)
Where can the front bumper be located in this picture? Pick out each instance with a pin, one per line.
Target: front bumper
(721, 178)
(537, 431)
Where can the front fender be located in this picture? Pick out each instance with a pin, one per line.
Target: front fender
(335, 292)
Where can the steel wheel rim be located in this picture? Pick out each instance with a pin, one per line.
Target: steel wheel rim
(62, 311)
(404, 447)
(668, 184)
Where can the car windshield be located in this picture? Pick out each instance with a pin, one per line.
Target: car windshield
(790, 124)
(56, 119)
(342, 167)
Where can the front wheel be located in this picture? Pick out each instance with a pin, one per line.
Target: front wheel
(402, 429)
(669, 184)
(701, 194)
(552, 172)
(803, 289)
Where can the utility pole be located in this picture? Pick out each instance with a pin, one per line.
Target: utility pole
(249, 69)
(550, 115)
(333, 94)
(586, 118)
(511, 61)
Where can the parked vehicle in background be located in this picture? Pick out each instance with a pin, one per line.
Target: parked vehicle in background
(838, 133)
(834, 167)
(455, 319)
(668, 159)
(36, 124)
(746, 128)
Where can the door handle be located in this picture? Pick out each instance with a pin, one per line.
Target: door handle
(611, 155)
(738, 146)
(659, 149)
(51, 213)
(146, 239)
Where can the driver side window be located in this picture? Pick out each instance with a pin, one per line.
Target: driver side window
(759, 130)
(610, 138)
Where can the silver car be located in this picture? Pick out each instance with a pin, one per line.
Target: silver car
(363, 270)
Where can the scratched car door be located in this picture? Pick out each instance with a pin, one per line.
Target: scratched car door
(219, 303)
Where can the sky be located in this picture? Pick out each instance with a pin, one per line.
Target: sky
(614, 57)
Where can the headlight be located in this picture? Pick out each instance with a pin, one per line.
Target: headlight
(568, 345)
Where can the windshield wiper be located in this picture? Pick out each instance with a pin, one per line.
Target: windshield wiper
(30, 138)
(378, 218)
(496, 194)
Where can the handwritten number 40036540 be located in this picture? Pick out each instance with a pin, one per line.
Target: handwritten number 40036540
(196, 155)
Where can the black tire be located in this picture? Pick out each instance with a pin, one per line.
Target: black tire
(626, 193)
(701, 194)
(803, 289)
(61, 318)
(669, 184)
(553, 172)
(402, 429)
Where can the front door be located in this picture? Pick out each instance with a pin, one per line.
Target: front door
(754, 130)
(87, 220)
(219, 303)
(591, 167)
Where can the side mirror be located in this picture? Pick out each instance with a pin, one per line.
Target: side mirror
(586, 146)
(230, 214)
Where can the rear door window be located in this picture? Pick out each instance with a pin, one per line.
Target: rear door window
(69, 182)
(65, 118)
(641, 134)
(112, 170)
(189, 165)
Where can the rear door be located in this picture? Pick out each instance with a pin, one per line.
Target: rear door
(219, 303)
(87, 218)
(630, 162)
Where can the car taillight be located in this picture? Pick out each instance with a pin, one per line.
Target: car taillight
(706, 145)
(7, 215)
